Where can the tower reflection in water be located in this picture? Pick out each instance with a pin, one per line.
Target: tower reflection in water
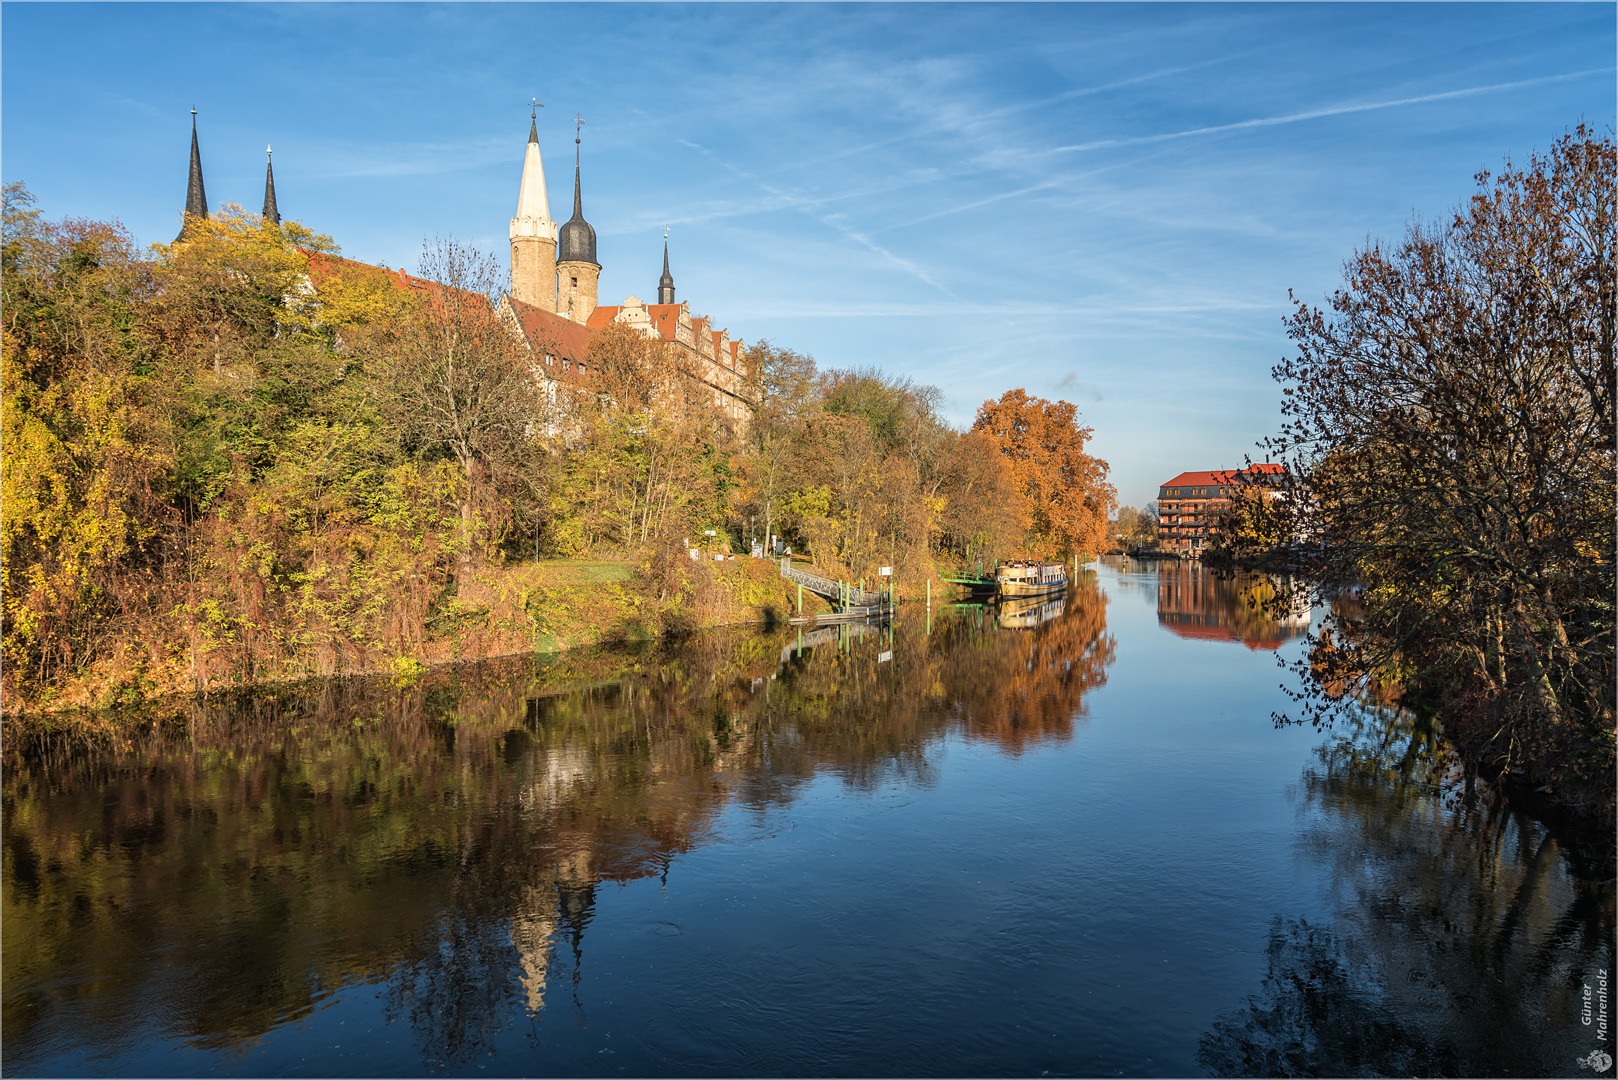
(447, 840)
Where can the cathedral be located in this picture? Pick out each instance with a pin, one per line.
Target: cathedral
(555, 278)
(552, 299)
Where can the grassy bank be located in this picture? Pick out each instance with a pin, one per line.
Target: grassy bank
(521, 607)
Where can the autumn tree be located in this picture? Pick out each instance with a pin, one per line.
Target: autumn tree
(83, 472)
(1449, 436)
(1146, 524)
(1068, 495)
(984, 513)
(455, 382)
(782, 389)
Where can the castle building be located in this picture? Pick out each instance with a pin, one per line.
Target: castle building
(552, 302)
(555, 272)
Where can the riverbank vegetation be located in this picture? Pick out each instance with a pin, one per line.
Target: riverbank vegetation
(1449, 439)
(242, 458)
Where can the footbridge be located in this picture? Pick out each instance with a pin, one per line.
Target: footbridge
(850, 600)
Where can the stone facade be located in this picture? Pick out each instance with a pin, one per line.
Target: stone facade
(533, 269)
(570, 289)
(576, 284)
(706, 354)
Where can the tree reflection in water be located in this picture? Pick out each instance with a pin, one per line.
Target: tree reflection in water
(229, 868)
(1462, 924)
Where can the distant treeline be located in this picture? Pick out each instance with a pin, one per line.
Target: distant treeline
(219, 466)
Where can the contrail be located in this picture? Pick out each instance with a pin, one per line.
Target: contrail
(1335, 110)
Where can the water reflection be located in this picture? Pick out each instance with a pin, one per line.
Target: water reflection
(1194, 602)
(1027, 614)
(1462, 925)
(237, 863)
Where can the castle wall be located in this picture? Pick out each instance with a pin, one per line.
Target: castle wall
(576, 284)
(533, 268)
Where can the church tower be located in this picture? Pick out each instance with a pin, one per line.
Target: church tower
(665, 284)
(533, 233)
(196, 199)
(272, 213)
(577, 272)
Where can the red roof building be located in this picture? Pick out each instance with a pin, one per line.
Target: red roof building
(1189, 506)
(558, 334)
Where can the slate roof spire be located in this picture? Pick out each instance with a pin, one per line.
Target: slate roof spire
(665, 284)
(577, 240)
(272, 213)
(196, 199)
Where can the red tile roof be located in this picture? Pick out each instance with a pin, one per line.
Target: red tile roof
(666, 318)
(1223, 476)
(602, 317)
(549, 332)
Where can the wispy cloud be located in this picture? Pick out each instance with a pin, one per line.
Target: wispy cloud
(837, 222)
(1333, 110)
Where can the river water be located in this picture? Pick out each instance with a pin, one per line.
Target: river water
(1066, 841)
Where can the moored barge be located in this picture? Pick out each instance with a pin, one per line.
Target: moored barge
(1024, 578)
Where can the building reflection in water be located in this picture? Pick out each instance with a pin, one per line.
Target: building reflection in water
(1196, 602)
(447, 839)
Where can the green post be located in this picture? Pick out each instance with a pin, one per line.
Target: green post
(929, 600)
(800, 599)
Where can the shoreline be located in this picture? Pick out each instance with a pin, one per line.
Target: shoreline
(504, 612)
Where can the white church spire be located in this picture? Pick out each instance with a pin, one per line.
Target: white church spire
(531, 201)
(533, 233)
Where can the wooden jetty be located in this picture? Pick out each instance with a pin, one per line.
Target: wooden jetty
(853, 604)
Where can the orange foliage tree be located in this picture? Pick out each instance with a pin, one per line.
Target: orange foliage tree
(1069, 498)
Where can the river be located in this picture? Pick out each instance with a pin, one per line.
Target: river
(1071, 841)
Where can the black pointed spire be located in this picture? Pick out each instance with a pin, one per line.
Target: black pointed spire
(576, 242)
(272, 213)
(665, 284)
(196, 199)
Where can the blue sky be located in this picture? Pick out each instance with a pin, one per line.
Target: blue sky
(1104, 203)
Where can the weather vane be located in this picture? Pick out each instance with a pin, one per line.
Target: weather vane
(578, 124)
(534, 105)
(665, 231)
